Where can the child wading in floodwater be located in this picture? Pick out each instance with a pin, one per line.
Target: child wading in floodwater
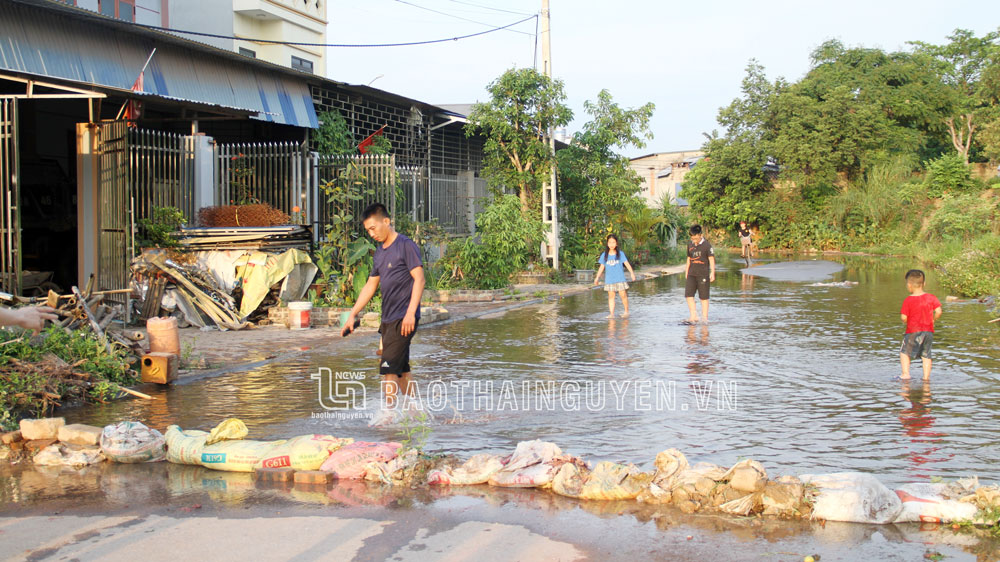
(613, 264)
(919, 312)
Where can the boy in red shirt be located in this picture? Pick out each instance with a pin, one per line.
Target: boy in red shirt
(919, 312)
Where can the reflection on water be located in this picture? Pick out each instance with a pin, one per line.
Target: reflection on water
(793, 375)
(185, 490)
(918, 420)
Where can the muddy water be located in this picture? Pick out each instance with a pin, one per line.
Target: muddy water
(795, 375)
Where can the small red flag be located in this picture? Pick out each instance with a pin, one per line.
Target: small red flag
(134, 109)
(363, 147)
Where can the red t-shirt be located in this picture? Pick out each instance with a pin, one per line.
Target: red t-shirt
(919, 311)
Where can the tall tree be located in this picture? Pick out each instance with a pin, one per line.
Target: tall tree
(729, 183)
(595, 179)
(854, 109)
(524, 104)
(989, 137)
(960, 65)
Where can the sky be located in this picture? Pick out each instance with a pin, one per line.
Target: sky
(686, 58)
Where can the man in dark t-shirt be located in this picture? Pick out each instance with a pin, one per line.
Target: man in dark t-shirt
(398, 270)
(699, 273)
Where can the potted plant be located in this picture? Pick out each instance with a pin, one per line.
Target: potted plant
(583, 266)
(641, 224)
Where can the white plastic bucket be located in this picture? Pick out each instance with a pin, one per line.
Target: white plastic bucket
(299, 315)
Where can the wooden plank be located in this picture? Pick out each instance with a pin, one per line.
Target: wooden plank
(93, 323)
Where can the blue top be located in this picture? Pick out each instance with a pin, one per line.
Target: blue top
(614, 267)
(392, 266)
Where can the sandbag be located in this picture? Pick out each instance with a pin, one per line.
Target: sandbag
(238, 455)
(59, 454)
(528, 453)
(214, 450)
(612, 481)
(348, 462)
(569, 480)
(185, 447)
(608, 481)
(306, 452)
(476, 470)
(852, 497)
(932, 503)
(532, 465)
(387, 472)
(228, 429)
(132, 442)
(535, 476)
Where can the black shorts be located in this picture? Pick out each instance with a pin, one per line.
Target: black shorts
(697, 284)
(395, 358)
(917, 344)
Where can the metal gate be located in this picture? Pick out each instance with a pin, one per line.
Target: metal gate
(10, 219)
(114, 245)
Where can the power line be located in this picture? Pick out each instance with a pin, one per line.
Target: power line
(489, 8)
(454, 16)
(346, 45)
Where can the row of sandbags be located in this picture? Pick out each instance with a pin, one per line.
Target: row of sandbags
(224, 448)
(743, 489)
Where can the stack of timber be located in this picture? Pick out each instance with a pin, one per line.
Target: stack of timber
(275, 239)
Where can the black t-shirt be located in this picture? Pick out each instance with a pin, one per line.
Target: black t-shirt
(699, 258)
(392, 266)
(743, 232)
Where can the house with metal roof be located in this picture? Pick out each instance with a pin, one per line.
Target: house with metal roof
(75, 180)
(663, 174)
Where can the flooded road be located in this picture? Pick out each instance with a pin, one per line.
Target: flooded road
(795, 374)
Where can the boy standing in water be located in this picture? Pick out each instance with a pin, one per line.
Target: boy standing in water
(919, 312)
(699, 273)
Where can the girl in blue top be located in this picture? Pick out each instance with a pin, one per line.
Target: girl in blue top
(615, 261)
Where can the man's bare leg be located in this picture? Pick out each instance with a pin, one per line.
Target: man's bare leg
(927, 367)
(694, 313)
(704, 310)
(904, 362)
(390, 388)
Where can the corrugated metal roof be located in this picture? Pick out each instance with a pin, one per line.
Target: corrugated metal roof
(43, 41)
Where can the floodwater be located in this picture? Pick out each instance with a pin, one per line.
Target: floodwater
(793, 373)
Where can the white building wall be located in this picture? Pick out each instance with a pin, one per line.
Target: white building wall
(649, 167)
(204, 16)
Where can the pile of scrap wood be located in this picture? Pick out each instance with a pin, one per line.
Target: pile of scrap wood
(264, 238)
(86, 309)
(196, 294)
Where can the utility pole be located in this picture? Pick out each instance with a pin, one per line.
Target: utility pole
(550, 215)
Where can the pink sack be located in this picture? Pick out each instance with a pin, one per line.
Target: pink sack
(348, 462)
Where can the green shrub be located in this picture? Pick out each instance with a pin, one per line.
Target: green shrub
(949, 174)
(975, 272)
(507, 241)
(158, 231)
(961, 216)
